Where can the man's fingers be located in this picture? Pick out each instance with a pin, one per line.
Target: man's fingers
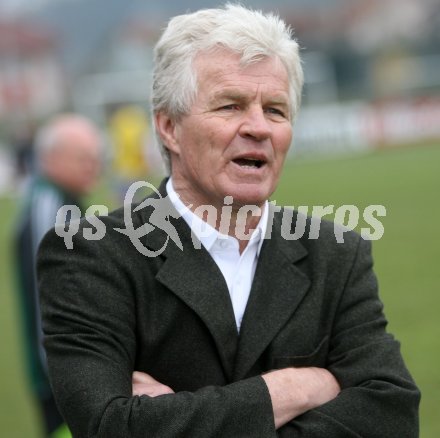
(151, 390)
(144, 384)
(140, 377)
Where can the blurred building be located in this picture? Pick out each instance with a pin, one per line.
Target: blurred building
(32, 82)
(121, 73)
(369, 49)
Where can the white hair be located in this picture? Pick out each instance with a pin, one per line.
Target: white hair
(251, 34)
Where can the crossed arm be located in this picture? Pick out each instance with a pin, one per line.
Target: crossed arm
(293, 391)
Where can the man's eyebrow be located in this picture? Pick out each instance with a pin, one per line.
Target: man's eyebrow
(229, 95)
(278, 100)
(237, 96)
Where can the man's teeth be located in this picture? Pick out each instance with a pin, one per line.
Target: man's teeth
(249, 162)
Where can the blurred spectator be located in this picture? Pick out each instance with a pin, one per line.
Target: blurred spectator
(24, 150)
(129, 132)
(67, 153)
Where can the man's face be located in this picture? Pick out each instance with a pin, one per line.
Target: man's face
(75, 163)
(235, 138)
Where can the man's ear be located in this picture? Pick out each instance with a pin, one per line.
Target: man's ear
(166, 128)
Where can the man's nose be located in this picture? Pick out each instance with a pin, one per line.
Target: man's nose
(255, 124)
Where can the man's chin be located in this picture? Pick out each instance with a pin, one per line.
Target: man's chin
(249, 199)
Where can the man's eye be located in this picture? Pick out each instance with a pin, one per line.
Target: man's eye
(231, 106)
(275, 111)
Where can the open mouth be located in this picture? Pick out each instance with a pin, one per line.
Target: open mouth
(249, 163)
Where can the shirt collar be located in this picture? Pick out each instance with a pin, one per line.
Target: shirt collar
(209, 235)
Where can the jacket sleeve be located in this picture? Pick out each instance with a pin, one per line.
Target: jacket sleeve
(90, 339)
(378, 397)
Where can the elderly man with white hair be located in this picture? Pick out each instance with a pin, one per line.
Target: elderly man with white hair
(67, 151)
(235, 329)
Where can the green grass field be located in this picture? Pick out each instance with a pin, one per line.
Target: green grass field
(405, 181)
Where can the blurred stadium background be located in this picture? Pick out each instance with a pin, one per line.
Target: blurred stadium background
(368, 133)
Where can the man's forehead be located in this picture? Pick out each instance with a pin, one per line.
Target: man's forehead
(223, 61)
(222, 75)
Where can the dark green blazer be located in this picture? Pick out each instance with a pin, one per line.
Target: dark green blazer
(108, 310)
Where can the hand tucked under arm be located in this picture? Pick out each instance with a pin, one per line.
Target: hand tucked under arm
(294, 391)
(144, 384)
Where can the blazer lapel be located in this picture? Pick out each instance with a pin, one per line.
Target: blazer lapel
(194, 277)
(277, 290)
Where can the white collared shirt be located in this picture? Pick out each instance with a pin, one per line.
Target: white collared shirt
(238, 269)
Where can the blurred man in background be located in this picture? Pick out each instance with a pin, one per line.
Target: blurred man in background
(68, 158)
